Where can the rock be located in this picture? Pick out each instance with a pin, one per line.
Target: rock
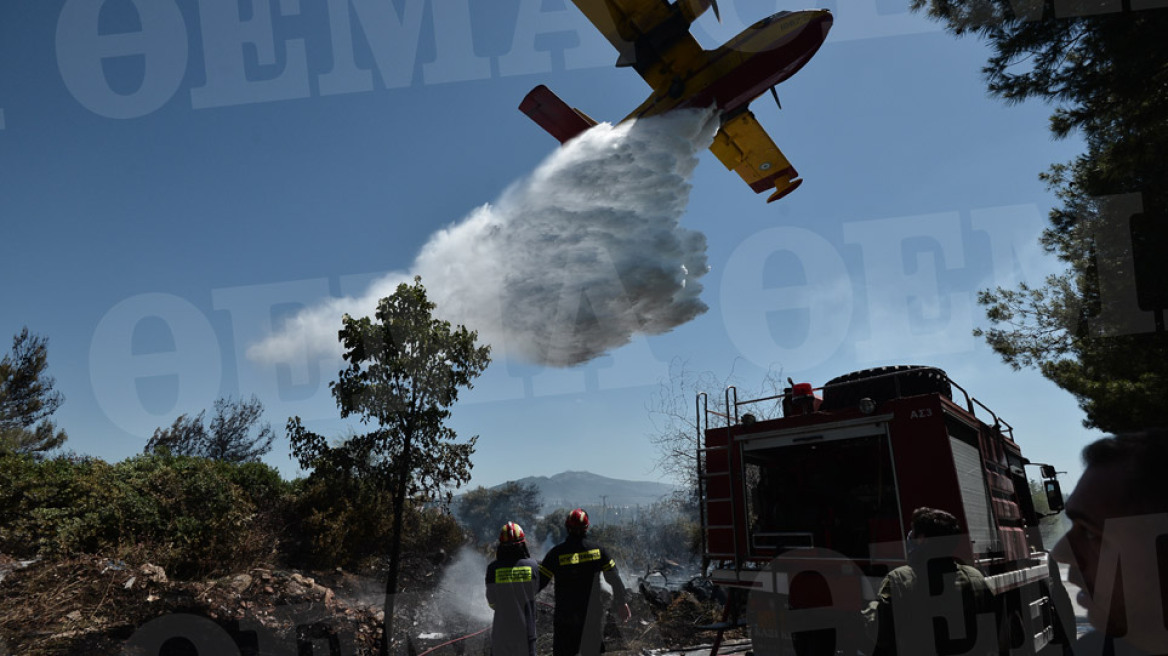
(153, 573)
(240, 583)
(322, 593)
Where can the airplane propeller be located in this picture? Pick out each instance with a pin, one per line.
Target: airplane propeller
(776, 95)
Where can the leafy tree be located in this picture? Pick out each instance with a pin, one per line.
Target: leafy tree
(405, 371)
(228, 438)
(27, 397)
(551, 526)
(1103, 66)
(483, 511)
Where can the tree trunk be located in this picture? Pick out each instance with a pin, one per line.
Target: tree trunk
(399, 500)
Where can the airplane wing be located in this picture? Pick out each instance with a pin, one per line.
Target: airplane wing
(641, 30)
(744, 147)
(613, 21)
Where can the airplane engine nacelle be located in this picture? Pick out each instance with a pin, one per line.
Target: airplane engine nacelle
(691, 9)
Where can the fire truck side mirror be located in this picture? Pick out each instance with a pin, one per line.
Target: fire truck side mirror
(1054, 495)
(1048, 471)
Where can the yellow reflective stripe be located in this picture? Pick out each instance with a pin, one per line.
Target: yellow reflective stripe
(580, 557)
(546, 572)
(512, 574)
(609, 565)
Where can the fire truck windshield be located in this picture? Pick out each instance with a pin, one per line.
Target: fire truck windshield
(828, 493)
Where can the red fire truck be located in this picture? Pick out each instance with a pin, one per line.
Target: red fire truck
(807, 512)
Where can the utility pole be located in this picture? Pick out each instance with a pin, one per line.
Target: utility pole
(604, 511)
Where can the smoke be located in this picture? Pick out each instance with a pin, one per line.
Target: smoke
(463, 590)
(569, 263)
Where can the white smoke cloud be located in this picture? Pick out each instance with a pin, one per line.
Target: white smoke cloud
(462, 593)
(568, 264)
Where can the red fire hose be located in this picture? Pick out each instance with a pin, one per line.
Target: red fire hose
(469, 635)
(451, 642)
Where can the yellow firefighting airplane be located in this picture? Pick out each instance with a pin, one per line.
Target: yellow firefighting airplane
(653, 37)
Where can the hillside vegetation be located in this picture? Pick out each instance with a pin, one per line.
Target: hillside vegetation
(97, 558)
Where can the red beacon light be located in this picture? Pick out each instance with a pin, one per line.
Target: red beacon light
(801, 389)
(799, 399)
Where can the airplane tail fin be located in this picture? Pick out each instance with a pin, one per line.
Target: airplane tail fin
(554, 115)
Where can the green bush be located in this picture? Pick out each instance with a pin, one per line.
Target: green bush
(260, 482)
(190, 515)
(346, 522)
(426, 529)
(197, 516)
(343, 521)
(61, 505)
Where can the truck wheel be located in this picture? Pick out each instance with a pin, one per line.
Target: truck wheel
(884, 384)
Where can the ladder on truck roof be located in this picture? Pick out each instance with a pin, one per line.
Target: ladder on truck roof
(736, 558)
(705, 476)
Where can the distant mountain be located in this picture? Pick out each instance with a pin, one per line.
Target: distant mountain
(579, 489)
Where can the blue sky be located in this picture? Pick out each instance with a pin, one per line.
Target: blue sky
(181, 178)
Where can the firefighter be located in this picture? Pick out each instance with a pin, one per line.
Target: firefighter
(512, 584)
(935, 604)
(576, 565)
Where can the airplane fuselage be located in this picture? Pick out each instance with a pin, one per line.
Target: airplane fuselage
(729, 77)
(653, 37)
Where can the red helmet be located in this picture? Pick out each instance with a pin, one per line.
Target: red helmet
(577, 520)
(511, 533)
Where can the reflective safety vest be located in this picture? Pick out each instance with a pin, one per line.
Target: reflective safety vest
(511, 588)
(576, 566)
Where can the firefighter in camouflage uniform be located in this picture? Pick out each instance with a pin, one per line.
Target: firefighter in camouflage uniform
(576, 566)
(512, 584)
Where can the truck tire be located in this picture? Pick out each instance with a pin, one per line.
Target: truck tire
(884, 384)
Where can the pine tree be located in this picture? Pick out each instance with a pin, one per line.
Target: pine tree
(1097, 329)
(27, 397)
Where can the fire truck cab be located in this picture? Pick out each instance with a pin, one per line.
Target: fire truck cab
(807, 512)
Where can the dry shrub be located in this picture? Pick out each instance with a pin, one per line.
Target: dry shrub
(678, 623)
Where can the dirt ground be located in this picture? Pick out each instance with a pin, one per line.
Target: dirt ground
(93, 605)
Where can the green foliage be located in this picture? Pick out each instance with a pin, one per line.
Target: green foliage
(428, 528)
(1100, 66)
(27, 397)
(483, 512)
(58, 505)
(347, 522)
(405, 370)
(552, 524)
(344, 520)
(228, 437)
(191, 516)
